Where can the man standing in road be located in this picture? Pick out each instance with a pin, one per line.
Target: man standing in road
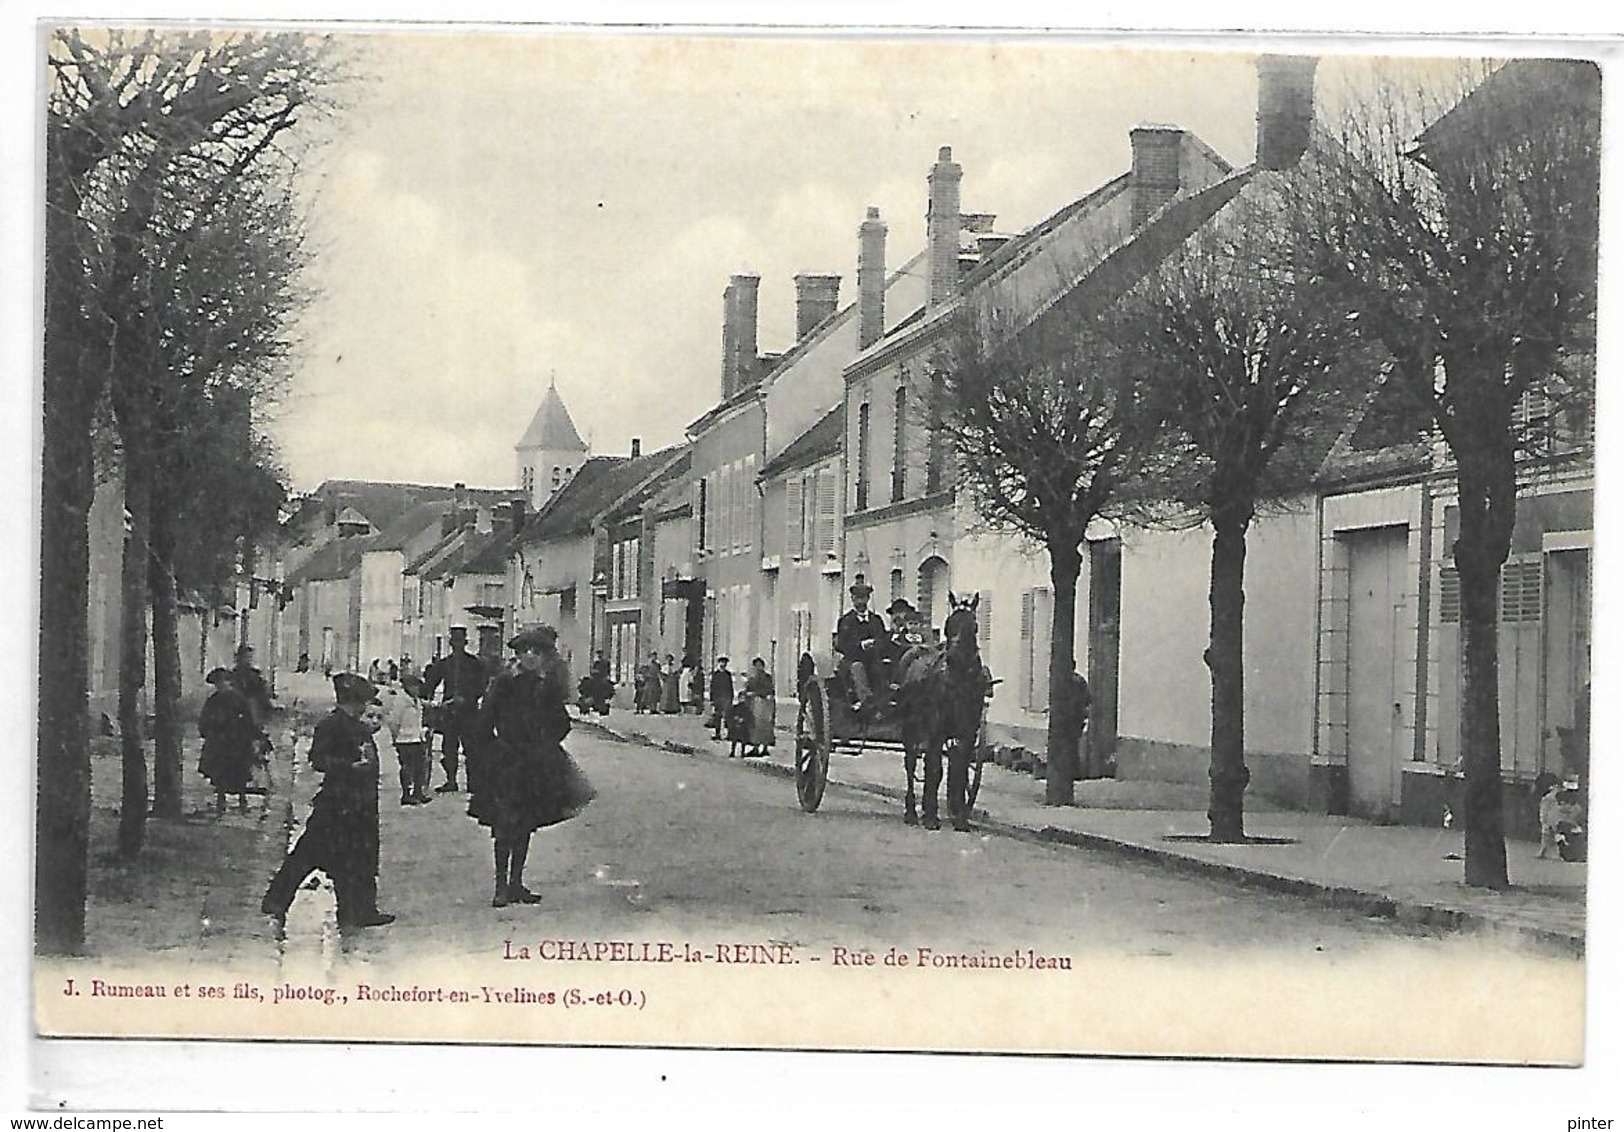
(460, 678)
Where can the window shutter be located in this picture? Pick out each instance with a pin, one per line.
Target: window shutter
(750, 501)
(827, 516)
(1028, 602)
(1448, 595)
(984, 619)
(794, 547)
(700, 499)
(1042, 631)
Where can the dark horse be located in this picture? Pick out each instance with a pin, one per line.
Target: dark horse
(939, 703)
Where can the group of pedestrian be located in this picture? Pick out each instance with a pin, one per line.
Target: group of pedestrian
(744, 718)
(503, 725)
(233, 724)
(668, 688)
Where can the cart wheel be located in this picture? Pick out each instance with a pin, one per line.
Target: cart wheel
(978, 756)
(812, 746)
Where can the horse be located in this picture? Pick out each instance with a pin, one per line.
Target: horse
(939, 703)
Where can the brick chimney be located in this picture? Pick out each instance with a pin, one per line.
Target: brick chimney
(517, 509)
(637, 447)
(1285, 108)
(739, 307)
(870, 280)
(1155, 177)
(816, 298)
(942, 227)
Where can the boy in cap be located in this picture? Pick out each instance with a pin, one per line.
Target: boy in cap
(403, 709)
(341, 836)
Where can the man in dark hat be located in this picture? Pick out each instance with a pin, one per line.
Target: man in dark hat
(460, 677)
(341, 836)
(859, 639)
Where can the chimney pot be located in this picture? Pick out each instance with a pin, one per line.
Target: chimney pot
(1285, 108)
(637, 447)
(816, 298)
(870, 280)
(739, 311)
(1155, 177)
(942, 227)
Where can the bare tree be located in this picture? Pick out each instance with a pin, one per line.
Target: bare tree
(236, 280)
(135, 121)
(1045, 425)
(1461, 221)
(1250, 351)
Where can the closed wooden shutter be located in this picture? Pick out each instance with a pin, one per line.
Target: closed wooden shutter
(1042, 632)
(828, 513)
(1028, 604)
(794, 532)
(984, 619)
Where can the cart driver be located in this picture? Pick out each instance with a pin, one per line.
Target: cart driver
(861, 640)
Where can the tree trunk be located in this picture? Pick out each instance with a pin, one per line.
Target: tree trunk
(67, 486)
(1488, 510)
(70, 391)
(166, 670)
(132, 676)
(1228, 774)
(1065, 563)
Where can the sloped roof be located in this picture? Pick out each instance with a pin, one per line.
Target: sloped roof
(465, 552)
(552, 427)
(412, 524)
(337, 559)
(601, 483)
(381, 503)
(822, 439)
(659, 480)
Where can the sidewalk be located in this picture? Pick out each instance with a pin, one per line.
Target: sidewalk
(1408, 873)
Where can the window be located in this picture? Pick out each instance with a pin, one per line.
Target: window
(492, 593)
(899, 446)
(896, 583)
(558, 475)
(862, 457)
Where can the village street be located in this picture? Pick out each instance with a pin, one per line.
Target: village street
(695, 868)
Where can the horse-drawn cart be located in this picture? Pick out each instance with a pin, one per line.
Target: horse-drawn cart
(827, 723)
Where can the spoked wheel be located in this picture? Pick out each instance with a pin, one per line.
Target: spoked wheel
(977, 757)
(812, 746)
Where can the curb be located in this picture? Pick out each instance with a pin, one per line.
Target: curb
(1345, 897)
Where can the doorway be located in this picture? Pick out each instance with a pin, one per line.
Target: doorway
(1377, 727)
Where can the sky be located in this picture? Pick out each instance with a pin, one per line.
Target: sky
(497, 211)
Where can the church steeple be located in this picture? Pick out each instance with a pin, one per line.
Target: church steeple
(551, 450)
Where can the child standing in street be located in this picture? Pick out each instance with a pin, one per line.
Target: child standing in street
(403, 709)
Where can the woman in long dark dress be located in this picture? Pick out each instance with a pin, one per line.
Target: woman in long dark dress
(230, 740)
(759, 692)
(527, 780)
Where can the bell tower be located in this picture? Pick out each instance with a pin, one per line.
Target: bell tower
(550, 452)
